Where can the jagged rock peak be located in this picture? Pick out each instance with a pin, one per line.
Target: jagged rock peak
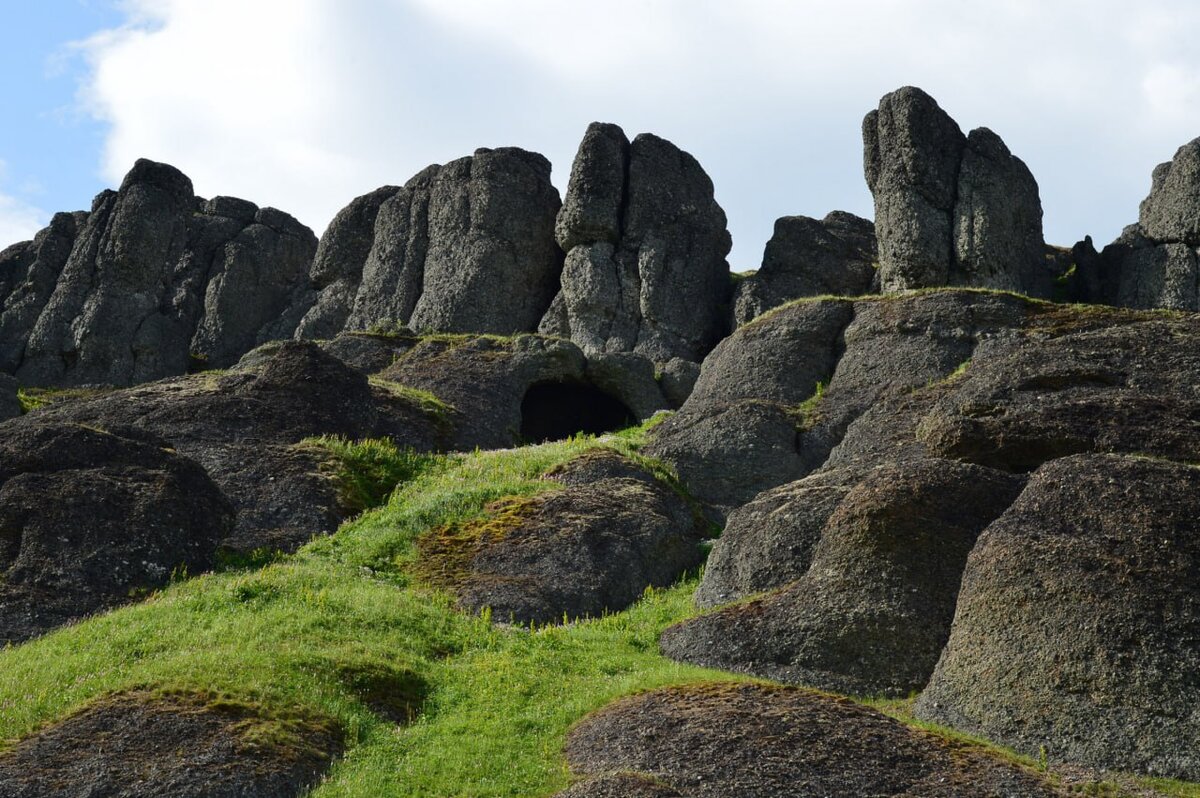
(810, 257)
(464, 247)
(950, 209)
(151, 281)
(646, 243)
(1154, 263)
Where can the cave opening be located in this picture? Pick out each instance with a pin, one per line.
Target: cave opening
(552, 411)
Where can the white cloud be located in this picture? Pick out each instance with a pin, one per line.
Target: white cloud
(303, 104)
(18, 219)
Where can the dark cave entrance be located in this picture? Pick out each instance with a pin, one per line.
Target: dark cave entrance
(552, 411)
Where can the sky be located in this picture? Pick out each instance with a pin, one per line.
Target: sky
(305, 104)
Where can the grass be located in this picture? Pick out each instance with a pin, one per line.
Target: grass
(432, 702)
(297, 635)
(368, 471)
(808, 412)
(34, 398)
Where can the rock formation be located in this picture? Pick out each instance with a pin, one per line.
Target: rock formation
(1075, 628)
(758, 741)
(465, 247)
(592, 547)
(809, 257)
(189, 745)
(243, 427)
(1156, 262)
(89, 519)
(861, 599)
(151, 282)
(646, 245)
(950, 209)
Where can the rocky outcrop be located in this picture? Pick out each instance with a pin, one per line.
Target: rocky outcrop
(1075, 628)
(776, 397)
(872, 612)
(528, 388)
(950, 209)
(759, 741)
(142, 744)
(834, 256)
(1154, 263)
(243, 427)
(592, 547)
(89, 519)
(10, 403)
(464, 247)
(904, 445)
(151, 282)
(646, 244)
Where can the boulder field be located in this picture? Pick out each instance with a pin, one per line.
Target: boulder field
(953, 470)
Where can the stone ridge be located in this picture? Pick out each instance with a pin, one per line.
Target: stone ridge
(438, 253)
(150, 281)
(949, 209)
(646, 243)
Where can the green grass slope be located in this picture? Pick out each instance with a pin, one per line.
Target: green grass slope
(341, 626)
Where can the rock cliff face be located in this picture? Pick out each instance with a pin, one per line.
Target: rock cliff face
(809, 257)
(950, 209)
(148, 282)
(465, 247)
(646, 245)
(1154, 263)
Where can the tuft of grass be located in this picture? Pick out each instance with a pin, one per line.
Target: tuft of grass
(428, 403)
(808, 412)
(367, 471)
(36, 398)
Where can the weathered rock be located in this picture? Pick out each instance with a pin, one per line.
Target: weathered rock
(1171, 212)
(808, 257)
(464, 247)
(10, 405)
(191, 745)
(250, 282)
(949, 209)
(337, 266)
(646, 245)
(89, 519)
(730, 452)
(621, 785)
(863, 351)
(28, 274)
(997, 221)
(768, 543)
(394, 273)
(590, 548)
(758, 741)
(677, 379)
(1122, 383)
(149, 281)
(873, 611)
(243, 427)
(508, 390)
(1076, 625)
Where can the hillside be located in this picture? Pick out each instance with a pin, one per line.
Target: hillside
(492, 493)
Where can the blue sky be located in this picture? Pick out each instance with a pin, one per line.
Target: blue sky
(304, 104)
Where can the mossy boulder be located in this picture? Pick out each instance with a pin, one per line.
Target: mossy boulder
(873, 611)
(145, 744)
(1077, 621)
(593, 546)
(759, 741)
(89, 520)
